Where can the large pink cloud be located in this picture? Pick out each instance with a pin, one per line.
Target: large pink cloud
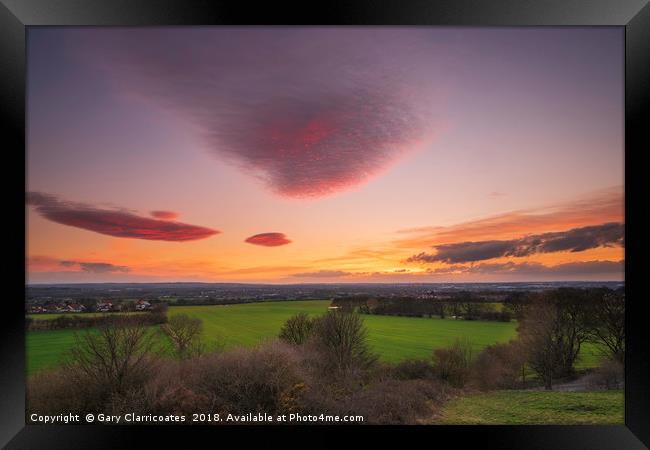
(309, 112)
(165, 215)
(114, 222)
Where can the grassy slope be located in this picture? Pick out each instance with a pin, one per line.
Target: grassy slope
(394, 338)
(537, 407)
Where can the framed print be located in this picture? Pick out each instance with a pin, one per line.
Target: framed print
(276, 220)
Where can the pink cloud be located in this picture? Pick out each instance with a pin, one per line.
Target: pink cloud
(268, 239)
(309, 112)
(165, 215)
(114, 222)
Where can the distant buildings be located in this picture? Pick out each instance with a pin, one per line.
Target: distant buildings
(104, 306)
(142, 305)
(57, 308)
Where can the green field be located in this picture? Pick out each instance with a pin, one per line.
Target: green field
(536, 407)
(393, 338)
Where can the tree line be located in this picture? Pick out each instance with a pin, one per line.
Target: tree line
(467, 306)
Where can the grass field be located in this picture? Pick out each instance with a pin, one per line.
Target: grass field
(393, 338)
(46, 349)
(537, 407)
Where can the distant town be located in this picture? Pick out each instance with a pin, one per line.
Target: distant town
(113, 297)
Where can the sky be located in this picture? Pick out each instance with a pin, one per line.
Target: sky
(325, 154)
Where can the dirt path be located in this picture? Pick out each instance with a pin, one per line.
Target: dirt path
(576, 385)
(579, 384)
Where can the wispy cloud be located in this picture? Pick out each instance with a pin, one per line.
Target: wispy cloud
(50, 264)
(597, 208)
(323, 274)
(95, 267)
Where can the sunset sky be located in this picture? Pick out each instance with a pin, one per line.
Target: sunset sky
(298, 155)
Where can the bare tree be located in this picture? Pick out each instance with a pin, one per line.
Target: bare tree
(341, 339)
(552, 330)
(118, 355)
(185, 333)
(536, 331)
(297, 329)
(607, 324)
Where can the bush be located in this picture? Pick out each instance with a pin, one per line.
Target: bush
(246, 380)
(452, 364)
(499, 366)
(168, 392)
(63, 391)
(396, 402)
(610, 375)
(297, 329)
(413, 369)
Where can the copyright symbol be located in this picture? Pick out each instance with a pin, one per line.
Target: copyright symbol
(90, 418)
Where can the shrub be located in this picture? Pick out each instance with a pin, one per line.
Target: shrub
(64, 390)
(413, 369)
(610, 375)
(246, 380)
(387, 401)
(452, 364)
(169, 391)
(499, 366)
(396, 402)
(297, 329)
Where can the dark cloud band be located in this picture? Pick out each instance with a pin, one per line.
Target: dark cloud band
(579, 268)
(574, 240)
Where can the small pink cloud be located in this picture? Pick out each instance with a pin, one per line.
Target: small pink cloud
(268, 239)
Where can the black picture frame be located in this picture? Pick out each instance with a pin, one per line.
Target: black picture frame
(17, 15)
